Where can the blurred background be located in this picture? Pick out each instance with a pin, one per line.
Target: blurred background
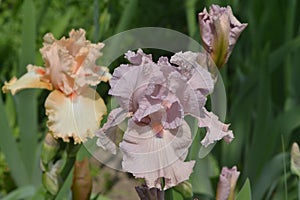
(261, 81)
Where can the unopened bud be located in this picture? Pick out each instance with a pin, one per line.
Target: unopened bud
(295, 159)
(50, 149)
(51, 179)
(219, 31)
(51, 183)
(227, 183)
(185, 189)
(82, 180)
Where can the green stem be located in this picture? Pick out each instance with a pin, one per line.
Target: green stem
(298, 188)
(190, 15)
(71, 158)
(69, 165)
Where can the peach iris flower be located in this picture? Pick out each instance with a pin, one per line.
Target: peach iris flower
(74, 109)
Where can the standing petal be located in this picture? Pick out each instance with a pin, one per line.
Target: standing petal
(58, 63)
(34, 78)
(151, 157)
(74, 116)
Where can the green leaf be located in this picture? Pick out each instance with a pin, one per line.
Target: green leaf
(28, 35)
(26, 101)
(65, 188)
(10, 149)
(271, 172)
(204, 169)
(21, 193)
(245, 193)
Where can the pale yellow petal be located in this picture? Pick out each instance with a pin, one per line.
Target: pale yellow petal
(34, 78)
(76, 117)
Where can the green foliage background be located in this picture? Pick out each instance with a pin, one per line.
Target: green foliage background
(261, 79)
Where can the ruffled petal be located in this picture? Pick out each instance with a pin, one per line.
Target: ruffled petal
(85, 72)
(199, 81)
(74, 117)
(151, 157)
(34, 78)
(216, 130)
(206, 30)
(107, 135)
(58, 63)
(71, 62)
(197, 68)
(128, 84)
(138, 58)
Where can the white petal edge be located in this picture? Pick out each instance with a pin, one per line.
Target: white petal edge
(74, 117)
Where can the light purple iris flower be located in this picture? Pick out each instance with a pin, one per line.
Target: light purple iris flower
(219, 30)
(227, 183)
(156, 97)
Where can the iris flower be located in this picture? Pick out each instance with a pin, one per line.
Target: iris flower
(219, 32)
(227, 183)
(155, 97)
(74, 109)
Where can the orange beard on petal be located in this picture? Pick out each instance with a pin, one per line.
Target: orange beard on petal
(73, 96)
(158, 129)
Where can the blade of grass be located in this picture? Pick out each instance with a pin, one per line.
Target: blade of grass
(124, 23)
(290, 18)
(284, 169)
(272, 171)
(191, 17)
(96, 21)
(64, 191)
(59, 28)
(261, 130)
(298, 188)
(10, 149)
(26, 101)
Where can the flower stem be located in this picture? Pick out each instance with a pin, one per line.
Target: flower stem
(298, 188)
(71, 158)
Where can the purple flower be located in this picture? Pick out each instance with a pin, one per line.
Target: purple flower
(146, 193)
(156, 97)
(219, 31)
(227, 182)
